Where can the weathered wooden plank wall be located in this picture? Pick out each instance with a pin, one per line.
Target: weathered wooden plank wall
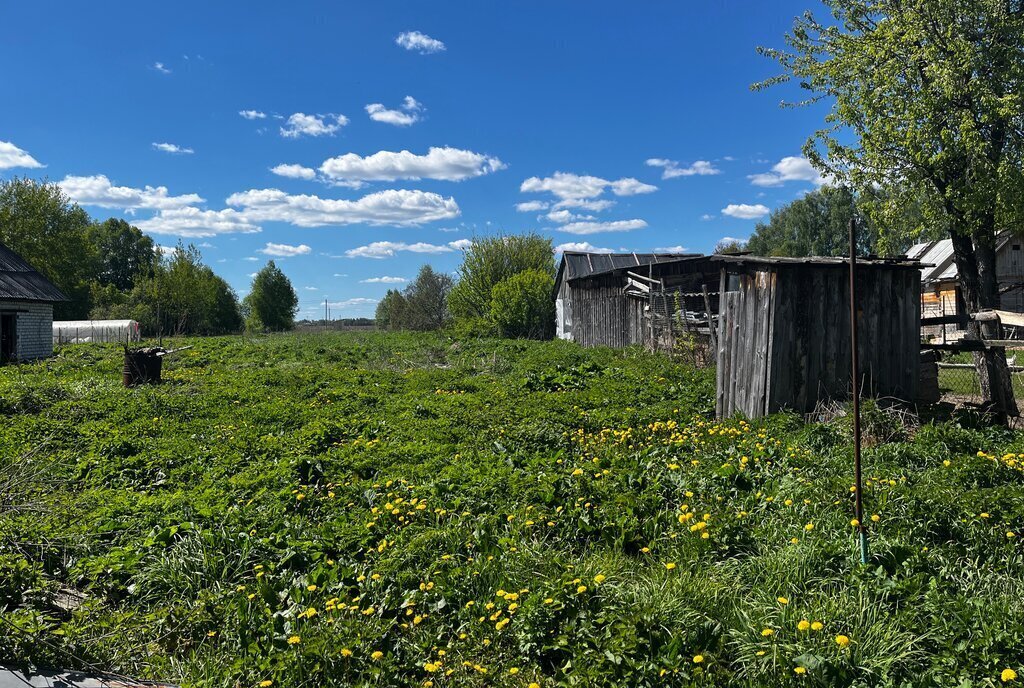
(785, 337)
(601, 315)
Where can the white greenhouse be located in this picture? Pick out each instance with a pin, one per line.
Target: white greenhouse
(83, 331)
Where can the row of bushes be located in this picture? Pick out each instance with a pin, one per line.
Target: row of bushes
(504, 289)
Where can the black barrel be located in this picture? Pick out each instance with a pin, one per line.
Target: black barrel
(142, 366)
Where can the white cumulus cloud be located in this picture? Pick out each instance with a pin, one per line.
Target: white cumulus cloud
(446, 164)
(161, 67)
(97, 190)
(252, 114)
(406, 114)
(583, 191)
(419, 42)
(600, 227)
(12, 156)
(582, 247)
(294, 171)
(173, 148)
(193, 222)
(285, 250)
(789, 169)
(671, 249)
(671, 168)
(301, 124)
(388, 249)
(397, 207)
(745, 211)
(352, 303)
(384, 280)
(531, 206)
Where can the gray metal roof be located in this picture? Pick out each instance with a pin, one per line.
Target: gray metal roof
(577, 265)
(905, 263)
(19, 281)
(940, 255)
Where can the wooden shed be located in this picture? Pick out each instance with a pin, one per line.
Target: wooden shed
(784, 331)
(618, 299)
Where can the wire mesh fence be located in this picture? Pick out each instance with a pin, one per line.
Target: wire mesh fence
(959, 383)
(680, 325)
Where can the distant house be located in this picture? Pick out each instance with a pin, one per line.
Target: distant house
(26, 309)
(616, 299)
(940, 284)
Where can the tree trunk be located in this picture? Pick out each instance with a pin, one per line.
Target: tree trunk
(976, 265)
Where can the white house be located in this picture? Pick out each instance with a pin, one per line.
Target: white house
(26, 309)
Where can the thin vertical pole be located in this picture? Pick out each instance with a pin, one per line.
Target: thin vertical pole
(855, 379)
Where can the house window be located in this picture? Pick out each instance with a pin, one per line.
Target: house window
(1016, 247)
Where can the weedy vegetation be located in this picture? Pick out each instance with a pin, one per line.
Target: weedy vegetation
(394, 509)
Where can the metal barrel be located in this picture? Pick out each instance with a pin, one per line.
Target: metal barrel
(141, 367)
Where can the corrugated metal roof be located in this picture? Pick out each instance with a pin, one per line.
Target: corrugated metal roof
(817, 260)
(20, 281)
(577, 265)
(938, 255)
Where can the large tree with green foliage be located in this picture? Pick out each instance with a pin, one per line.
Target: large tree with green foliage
(490, 260)
(180, 295)
(390, 313)
(42, 225)
(927, 104)
(423, 305)
(272, 302)
(123, 253)
(426, 300)
(815, 225)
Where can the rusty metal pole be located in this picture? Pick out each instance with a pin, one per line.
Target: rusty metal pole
(858, 487)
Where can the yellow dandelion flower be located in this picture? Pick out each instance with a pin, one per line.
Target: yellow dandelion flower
(266, 683)
(294, 640)
(376, 655)
(817, 626)
(670, 565)
(1008, 675)
(345, 652)
(803, 625)
(782, 600)
(698, 659)
(768, 632)
(599, 578)
(842, 640)
(799, 671)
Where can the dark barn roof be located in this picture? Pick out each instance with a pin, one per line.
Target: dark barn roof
(19, 281)
(818, 261)
(577, 265)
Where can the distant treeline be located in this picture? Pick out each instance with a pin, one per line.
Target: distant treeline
(110, 270)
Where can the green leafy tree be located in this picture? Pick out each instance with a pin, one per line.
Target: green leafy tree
(180, 296)
(926, 103)
(390, 311)
(42, 225)
(522, 307)
(123, 253)
(490, 260)
(815, 225)
(426, 300)
(272, 302)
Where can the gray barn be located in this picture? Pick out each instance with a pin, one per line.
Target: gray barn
(784, 331)
(26, 309)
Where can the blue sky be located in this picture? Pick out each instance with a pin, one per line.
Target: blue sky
(357, 141)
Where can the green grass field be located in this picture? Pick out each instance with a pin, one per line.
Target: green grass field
(404, 510)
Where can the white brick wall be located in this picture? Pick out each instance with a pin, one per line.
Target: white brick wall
(35, 328)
